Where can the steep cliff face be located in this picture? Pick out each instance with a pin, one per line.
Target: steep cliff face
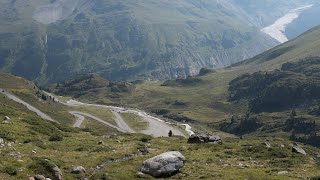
(129, 39)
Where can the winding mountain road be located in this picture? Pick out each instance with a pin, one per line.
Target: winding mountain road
(29, 106)
(156, 128)
(80, 118)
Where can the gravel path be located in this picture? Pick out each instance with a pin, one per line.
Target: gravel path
(30, 107)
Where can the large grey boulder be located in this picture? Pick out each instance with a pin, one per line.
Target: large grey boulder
(39, 177)
(164, 165)
(204, 138)
(78, 170)
(297, 149)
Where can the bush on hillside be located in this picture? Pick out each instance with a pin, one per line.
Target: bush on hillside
(56, 137)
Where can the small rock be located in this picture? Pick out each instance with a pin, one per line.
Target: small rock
(1, 141)
(282, 146)
(5, 122)
(39, 177)
(268, 145)
(183, 148)
(140, 173)
(78, 170)
(31, 178)
(6, 118)
(282, 172)
(56, 173)
(164, 164)
(204, 138)
(34, 152)
(297, 149)
(48, 179)
(118, 141)
(144, 150)
(101, 142)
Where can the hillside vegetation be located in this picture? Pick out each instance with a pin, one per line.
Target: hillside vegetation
(53, 41)
(33, 146)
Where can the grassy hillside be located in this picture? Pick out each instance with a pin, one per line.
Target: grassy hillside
(36, 144)
(306, 45)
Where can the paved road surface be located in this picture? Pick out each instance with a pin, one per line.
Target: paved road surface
(121, 123)
(78, 114)
(30, 107)
(79, 119)
(157, 127)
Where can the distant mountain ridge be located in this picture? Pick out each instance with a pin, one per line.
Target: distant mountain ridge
(52, 41)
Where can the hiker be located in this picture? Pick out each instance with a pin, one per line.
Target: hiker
(170, 134)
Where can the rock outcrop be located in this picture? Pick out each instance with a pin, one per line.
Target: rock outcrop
(297, 149)
(204, 138)
(164, 165)
(78, 170)
(56, 173)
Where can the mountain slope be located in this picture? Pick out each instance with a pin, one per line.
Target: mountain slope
(126, 39)
(260, 93)
(52, 41)
(306, 45)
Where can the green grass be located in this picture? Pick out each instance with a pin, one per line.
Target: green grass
(96, 128)
(134, 121)
(79, 147)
